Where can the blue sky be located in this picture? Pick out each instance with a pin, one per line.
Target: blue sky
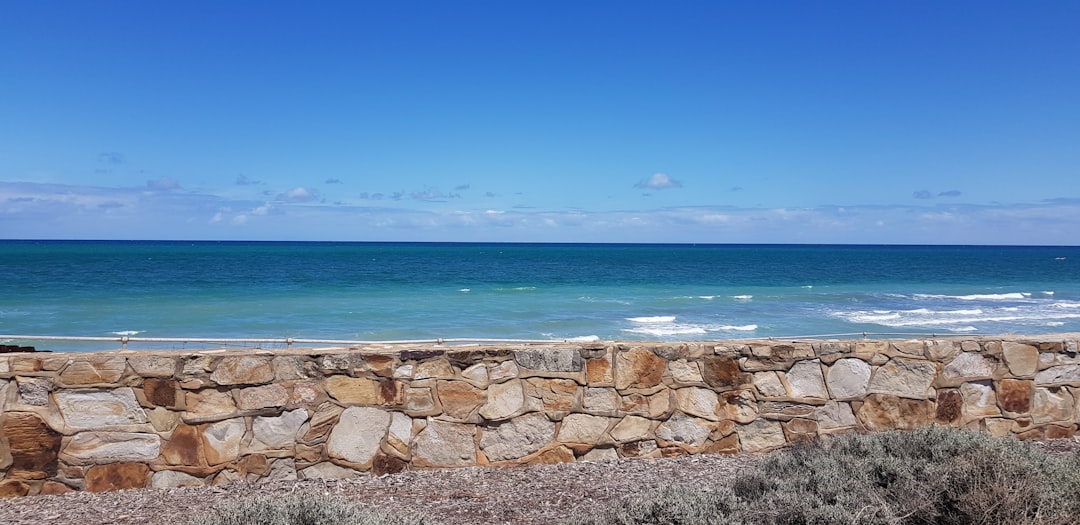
(834, 122)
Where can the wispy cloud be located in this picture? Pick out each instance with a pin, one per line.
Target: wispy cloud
(461, 187)
(922, 194)
(111, 157)
(432, 195)
(658, 181)
(244, 180)
(299, 194)
(333, 181)
(950, 193)
(163, 184)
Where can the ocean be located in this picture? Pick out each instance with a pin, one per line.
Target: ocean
(409, 291)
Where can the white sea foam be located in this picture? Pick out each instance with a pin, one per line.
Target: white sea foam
(959, 319)
(584, 339)
(707, 297)
(979, 296)
(652, 320)
(1055, 323)
(127, 332)
(964, 329)
(743, 328)
(465, 290)
(1048, 292)
(742, 297)
(667, 330)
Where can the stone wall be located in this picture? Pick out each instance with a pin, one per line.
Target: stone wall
(124, 419)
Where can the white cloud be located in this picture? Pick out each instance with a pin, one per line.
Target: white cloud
(658, 181)
(163, 184)
(299, 194)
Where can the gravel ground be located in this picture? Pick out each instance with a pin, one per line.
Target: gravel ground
(527, 495)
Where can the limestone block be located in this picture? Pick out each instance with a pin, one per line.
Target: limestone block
(835, 415)
(358, 434)
(404, 372)
(517, 437)
(806, 381)
(950, 406)
(117, 476)
(784, 410)
(970, 365)
(243, 370)
(477, 375)
(221, 440)
(502, 371)
(848, 378)
(583, 428)
(1014, 395)
(89, 448)
(444, 444)
(942, 351)
(1022, 360)
(913, 347)
(980, 401)
(887, 412)
(208, 405)
(420, 401)
(1052, 404)
(761, 436)
(680, 428)
(685, 372)
(660, 404)
(631, 428)
(327, 470)
(505, 400)
(322, 421)
(600, 454)
(1058, 375)
(722, 372)
(434, 369)
(288, 368)
(257, 397)
(738, 405)
(461, 400)
(697, 401)
(172, 479)
(31, 447)
(768, 384)
(400, 434)
(601, 401)
(94, 369)
(33, 391)
(564, 360)
(304, 394)
(277, 433)
(95, 409)
(557, 396)
(910, 378)
(352, 390)
(638, 368)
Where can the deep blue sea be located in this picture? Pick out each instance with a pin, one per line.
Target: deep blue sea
(391, 291)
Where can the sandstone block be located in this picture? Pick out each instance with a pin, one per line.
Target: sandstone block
(970, 365)
(698, 401)
(288, 368)
(785, 410)
(444, 444)
(722, 372)
(162, 419)
(434, 369)
(728, 444)
(117, 476)
(552, 456)
(980, 401)
(600, 454)
(631, 428)
(913, 347)
(304, 394)
(221, 440)
(604, 401)
(327, 470)
(33, 391)
(384, 464)
(32, 446)
(562, 360)
(1022, 360)
(420, 401)
(380, 364)
(761, 436)
(352, 390)
(950, 406)
(502, 371)
(942, 351)
(208, 405)
(557, 396)
(399, 436)
(768, 384)
(835, 416)
(1058, 375)
(258, 397)
(358, 434)
(320, 424)
(805, 380)
(88, 448)
(184, 447)
(910, 378)
(461, 400)
(660, 404)
(638, 368)
(1014, 395)
(14, 488)
(1052, 404)
(640, 449)
(848, 378)
(94, 369)
(163, 393)
(505, 400)
(738, 405)
(95, 409)
(583, 428)
(517, 438)
(172, 479)
(685, 372)
(476, 375)
(599, 372)
(277, 433)
(800, 429)
(680, 428)
(243, 370)
(887, 412)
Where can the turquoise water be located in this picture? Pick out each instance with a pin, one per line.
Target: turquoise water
(380, 291)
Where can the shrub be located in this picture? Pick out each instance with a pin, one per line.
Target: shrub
(304, 508)
(934, 475)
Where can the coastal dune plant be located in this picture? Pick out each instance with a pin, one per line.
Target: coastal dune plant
(934, 475)
(302, 508)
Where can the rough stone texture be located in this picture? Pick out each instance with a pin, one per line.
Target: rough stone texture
(434, 369)
(277, 432)
(445, 444)
(685, 429)
(171, 479)
(601, 401)
(848, 378)
(631, 428)
(550, 359)
(266, 396)
(683, 371)
(1059, 375)
(33, 391)
(903, 377)
(100, 409)
(583, 428)
(163, 393)
(461, 400)
(738, 405)
(32, 446)
(1052, 404)
(950, 406)
(835, 415)
(327, 470)
(117, 476)
(980, 401)
(501, 372)
(153, 365)
(884, 412)
(723, 372)
(1014, 395)
(94, 369)
(761, 436)
(208, 405)
(518, 437)
(1022, 360)
(970, 365)
(221, 440)
(638, 368)
(358, 434)
(352, 390)
(184, 447)
(768, 384)
(557, 396)
(243, 370)
(504, 401)
(87, 448)
(696, 401)
(598, 371)
(806, 381)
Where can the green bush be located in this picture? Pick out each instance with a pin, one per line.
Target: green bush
(304, 508)
(934, 475)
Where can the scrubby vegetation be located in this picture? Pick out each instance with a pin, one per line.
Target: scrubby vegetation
(306, 508)
(930, 476)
